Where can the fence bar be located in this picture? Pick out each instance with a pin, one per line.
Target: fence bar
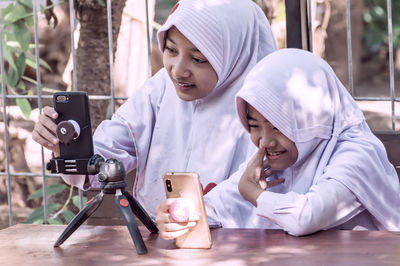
(111, 54)
(40, 106)
(27, 174)
(309, 25)
(73, 52)
(386, 99)
(349, 51)
(391, 68)
(36, 36)
(148, 40)
(3, 90)
(91, 97)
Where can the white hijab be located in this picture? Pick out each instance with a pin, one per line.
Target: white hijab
(300, 94)
(204, 135)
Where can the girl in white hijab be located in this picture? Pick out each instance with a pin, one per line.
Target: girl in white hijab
(182, 119)
(311, 135)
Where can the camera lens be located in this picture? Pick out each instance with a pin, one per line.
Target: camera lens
(62, 98)
(168, 185)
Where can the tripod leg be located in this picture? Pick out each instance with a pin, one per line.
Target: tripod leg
(141, 213)
(123, 205)
(80, 218)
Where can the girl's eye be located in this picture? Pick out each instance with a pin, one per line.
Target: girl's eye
(169, 49)
(252, 126)
(276, 129)
(198, 60)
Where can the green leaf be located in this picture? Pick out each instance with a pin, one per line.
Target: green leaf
(31, 61)
(51, 190)
(27, 3)
(6, 10)
(29, 21)
(101, 3)
(75, 201)
(37, 215)
(13, 45)
(21, 64)
(22, 34)
(367, 17)
(18, 12)
(55, 221)
(374, 38)
(45, 65)
(21, 85)
(42, 9)
(68, 215)
(8, 56)
(38, 221)
(25, 107)
(12, 78)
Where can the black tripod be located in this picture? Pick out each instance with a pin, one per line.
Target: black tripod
(111, 174)
(77, 158)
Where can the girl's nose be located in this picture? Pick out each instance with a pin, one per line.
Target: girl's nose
(267, 142)
(180, 69)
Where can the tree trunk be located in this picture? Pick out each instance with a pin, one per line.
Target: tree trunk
(92, 56)
(336, 46)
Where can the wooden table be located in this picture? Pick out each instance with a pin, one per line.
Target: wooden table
(112, 245)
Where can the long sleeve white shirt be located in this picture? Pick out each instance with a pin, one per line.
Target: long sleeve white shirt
(326, 205)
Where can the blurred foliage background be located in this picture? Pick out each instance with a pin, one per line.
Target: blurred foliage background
(376, 24)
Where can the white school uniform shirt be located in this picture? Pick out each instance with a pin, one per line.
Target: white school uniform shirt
(155, 131)
(342, 178)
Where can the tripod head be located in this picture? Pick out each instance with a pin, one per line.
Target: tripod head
(111, 173)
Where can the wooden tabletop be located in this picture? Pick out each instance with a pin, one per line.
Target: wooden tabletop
(112, 245)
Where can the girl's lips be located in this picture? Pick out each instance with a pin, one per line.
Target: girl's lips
(184, 85)
(274, 155)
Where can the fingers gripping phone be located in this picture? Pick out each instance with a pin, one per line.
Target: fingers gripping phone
(187, 185)
(73, 130)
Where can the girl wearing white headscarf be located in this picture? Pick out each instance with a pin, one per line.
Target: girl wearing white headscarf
(341, 177)
(156, 131)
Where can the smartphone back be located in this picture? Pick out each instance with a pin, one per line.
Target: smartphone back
(187, 185)
(75, 106)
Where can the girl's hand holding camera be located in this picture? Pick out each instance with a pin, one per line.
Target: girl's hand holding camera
(254, 179)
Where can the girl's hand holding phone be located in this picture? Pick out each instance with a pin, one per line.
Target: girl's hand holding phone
(168, 227)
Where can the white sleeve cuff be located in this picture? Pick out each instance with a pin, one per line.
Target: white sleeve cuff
(266, 203)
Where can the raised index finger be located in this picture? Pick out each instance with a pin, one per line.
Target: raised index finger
(261, 152)
(259, 157)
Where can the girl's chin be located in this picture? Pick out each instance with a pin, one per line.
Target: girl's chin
(186, 95)
(276, 166)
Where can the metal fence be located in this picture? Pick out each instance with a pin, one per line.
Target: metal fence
(39, 97)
